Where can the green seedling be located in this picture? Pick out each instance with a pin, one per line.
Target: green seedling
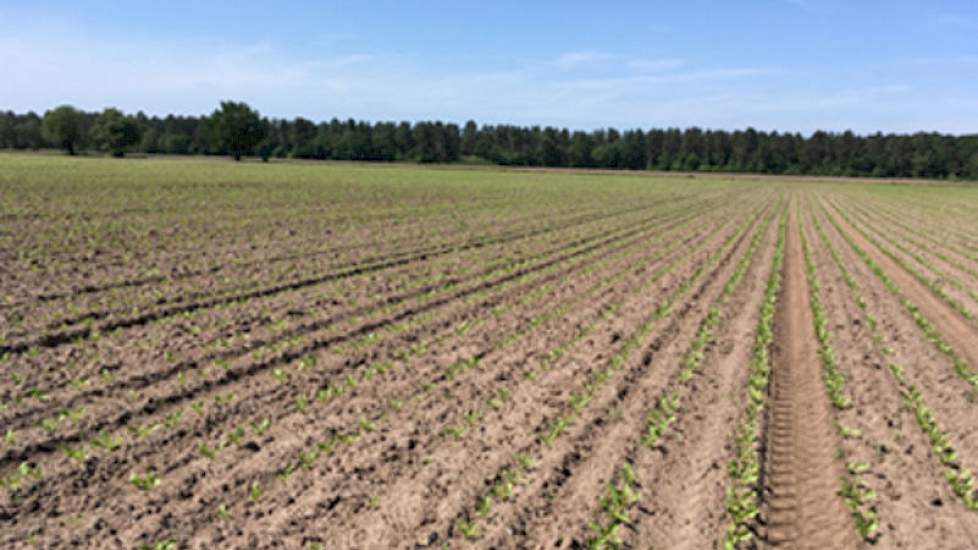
(161, 545)
(77, 453)
(469, 530)
(485, 506)
(526, 462)
(366, 425)
(307, 362)
(235, 436)
(206, 451)
(262, 426)
(143, 431)
(38, 394)
(105, 441)
(173, 419)
(145, 482)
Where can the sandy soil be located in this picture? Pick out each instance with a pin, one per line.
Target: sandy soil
(479, 375)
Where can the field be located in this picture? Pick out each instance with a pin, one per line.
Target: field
(203, 354)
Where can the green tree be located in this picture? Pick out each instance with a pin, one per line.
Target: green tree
(27, 134)
(8, 136)
(114, 132)
(150, 143)
(470, 135)
(971, 170)
(236, 128)
(580, 151)
(427, 146)
(62, 126)
(175, 144)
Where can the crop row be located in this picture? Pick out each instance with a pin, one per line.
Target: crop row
(416, 449)
(742, 493)
(859, 497)
(901, 245)
(960, 478)
(931, 284)
(550, 357)
(549, 431)
(366, 426)
(255, 345)
(302, 361)
(278, 284)
(933, 335)
(668, 405)
(952, 255)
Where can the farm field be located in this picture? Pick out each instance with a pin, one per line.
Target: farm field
(205, 354)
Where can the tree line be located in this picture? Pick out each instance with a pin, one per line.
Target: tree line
(237, 130)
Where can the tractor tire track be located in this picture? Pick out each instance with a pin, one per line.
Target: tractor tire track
(800, 476)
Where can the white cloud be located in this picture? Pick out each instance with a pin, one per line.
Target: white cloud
(582, 89)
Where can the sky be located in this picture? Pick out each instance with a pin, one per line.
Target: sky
(787, 65)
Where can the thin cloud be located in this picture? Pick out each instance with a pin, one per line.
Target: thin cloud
(808, 6)
(948, 61)
(570, 60)
(598, 90)
(855, 97)
(654, 65)
(630, 82)
(956, 21)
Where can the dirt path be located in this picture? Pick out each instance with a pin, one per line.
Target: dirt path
(801, 476)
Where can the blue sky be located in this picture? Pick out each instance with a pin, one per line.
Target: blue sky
(792, 65)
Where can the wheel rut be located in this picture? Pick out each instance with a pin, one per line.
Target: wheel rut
(801, 476)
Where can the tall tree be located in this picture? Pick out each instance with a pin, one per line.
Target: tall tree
(470, 135)
(236, 128)
(115, 132)
(63, 127)
(928, 155)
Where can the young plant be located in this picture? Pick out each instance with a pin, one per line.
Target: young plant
(469, 530)
(145, 482)
(262, 426)
(616, 504)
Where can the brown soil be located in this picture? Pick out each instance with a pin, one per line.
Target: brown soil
(801, 475)
(961, 334)
(913, 495)
(684, 477)
(467, 373)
